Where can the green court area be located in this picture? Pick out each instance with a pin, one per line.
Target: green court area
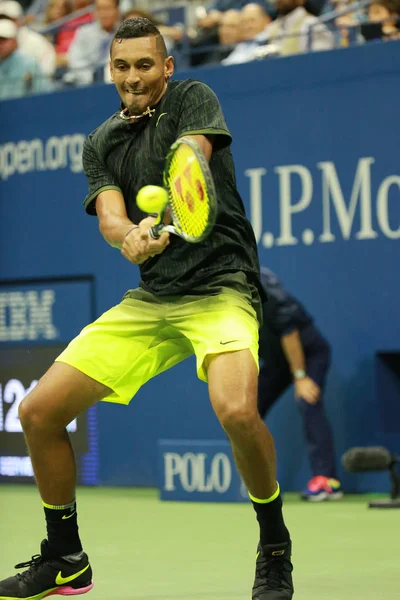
(144, 549)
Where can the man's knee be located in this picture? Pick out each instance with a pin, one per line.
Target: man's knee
(31, 414)
(238, 416)
(61, 394)
(34, 414)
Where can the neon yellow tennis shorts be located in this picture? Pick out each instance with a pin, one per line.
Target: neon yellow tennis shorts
(145, 335)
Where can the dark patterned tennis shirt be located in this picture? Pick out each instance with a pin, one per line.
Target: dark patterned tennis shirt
(127, 156)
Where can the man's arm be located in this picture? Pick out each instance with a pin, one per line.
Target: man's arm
(293, 350)
(114, 223)
(305, 387)
(120, 232)
(205, 143)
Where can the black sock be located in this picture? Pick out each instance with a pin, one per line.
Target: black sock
(62, 529)
(270, 518)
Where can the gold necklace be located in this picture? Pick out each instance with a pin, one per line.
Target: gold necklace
(127, 117)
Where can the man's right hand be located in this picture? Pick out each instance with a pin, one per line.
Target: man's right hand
(137, 247)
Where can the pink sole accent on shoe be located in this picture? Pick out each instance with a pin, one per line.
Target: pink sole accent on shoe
(65, 590)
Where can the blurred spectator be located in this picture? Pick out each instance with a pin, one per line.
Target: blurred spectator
(201, 42)
(30, 42)
(206, 33)
(19, 74)
(229, 34)
(345, 27)
(56, 9)
(208, 19)
(64, 37)
(89, 51)
(230, 28)
(35, 12)
(171, 34)
(295, 30)
(254, 20)
(384, 20)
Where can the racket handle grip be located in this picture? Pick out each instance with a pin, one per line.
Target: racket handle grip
(154, 232)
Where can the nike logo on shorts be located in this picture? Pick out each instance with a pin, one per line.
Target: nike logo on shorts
(229, 342)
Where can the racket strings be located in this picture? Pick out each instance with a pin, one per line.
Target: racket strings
(189, 200)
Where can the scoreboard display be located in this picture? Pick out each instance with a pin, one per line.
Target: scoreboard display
(37, 320)
(20, 370)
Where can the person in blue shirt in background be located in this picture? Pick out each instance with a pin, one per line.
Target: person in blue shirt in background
(292, 350)
(20, 74)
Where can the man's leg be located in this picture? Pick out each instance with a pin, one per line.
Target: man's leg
(233, 382)
(271, 385)
(59, 397)
(319, 438)
(128, 345)
(61, 394)
(318, 431)
(324, 484)
(213, 324)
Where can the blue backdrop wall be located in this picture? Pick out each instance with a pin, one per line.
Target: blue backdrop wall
(316, 151)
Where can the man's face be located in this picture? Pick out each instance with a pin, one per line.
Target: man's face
(254, 21)
(7, 47)
(378, 13)
(284, 7)
(107, 14)
(229, 28)
(140, 72)
(57, 10)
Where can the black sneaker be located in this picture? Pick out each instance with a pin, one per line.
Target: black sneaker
(47, 576)
(273, 573)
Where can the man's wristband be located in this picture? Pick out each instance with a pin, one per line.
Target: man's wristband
(299, 374)
(131, 229)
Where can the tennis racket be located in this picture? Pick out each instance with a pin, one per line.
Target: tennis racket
(192, 200)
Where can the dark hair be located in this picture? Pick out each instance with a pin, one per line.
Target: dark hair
(137, 28)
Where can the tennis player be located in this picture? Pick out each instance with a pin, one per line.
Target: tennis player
(202, 298)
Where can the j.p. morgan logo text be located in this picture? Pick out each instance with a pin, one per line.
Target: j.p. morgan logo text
(370, 210)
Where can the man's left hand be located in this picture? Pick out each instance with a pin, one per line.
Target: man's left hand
(307, 389)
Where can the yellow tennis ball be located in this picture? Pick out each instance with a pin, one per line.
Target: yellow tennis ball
(152, 198)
